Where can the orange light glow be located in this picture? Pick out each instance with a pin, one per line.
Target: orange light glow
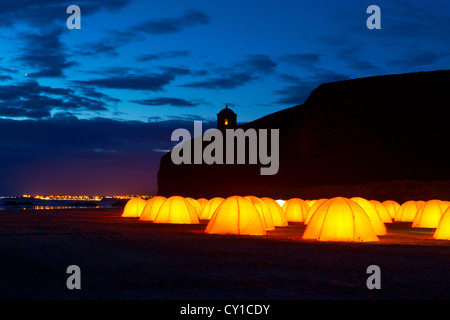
(407, 211)
(264, 211)
(429, 214)
(374, 216)
(340, 219)
(134, 207)
(315, 204)
(203, 202)
(210, 207)
(392, 207)
(382, 211)
(278, 215)
(443, 230)
(296, 210)
(176, 210)
(151, 208)
(196, 205)
(236, 215)
(226, 122)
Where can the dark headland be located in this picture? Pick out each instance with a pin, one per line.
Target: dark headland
(379, 137)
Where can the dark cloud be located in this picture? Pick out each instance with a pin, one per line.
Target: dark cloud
(207, 124)
(7, 70)
(110, 44)
(91, 92)
(153, 82)
(258, 63)
(364, 66)
(5, 77)
(44, 53)
(31, 100)
(163, 55)
(175, 102)
(46, 12)
(299, 89)
(301, 59)
(417, 61)
(173, 25)
(228, 81)
(98, 48)
(177, 71)
(247, 69)
(170, 25)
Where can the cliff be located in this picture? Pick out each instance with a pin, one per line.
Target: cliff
(363, 131)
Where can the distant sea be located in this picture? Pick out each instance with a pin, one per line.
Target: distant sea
(38, 204)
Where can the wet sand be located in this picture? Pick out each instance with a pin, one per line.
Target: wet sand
(128, 259)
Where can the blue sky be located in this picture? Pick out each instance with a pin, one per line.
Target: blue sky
(153, 66)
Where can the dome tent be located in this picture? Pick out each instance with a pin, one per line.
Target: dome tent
(374, 217)
(420, 203)
(443, 229)
(340, 219)
(210, 207)
(236, 215)
(429, 214)
(196, 205)
(310, 203)
(407, 211)
(134, 207)
(382, 211)
(264, 211)
(151, 208)
(278, 215)
(392, 207)
(296, 210)
(176, 210)
(314, 206)
(202, 202)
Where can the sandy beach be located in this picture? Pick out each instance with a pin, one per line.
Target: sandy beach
(123, 258)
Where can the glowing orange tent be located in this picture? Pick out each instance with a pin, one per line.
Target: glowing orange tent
(310, 202)
(236, 215)
(340, 219)
(443, 229)
(210, 207)
(264, 211)
(420, 203)
(392, 207)
(196, 205)
(202, 202)
(382, 211)
(134, 207)
(176, 210)
(151, 208)
(296, 210)
(429, 214)
(374, 217)
(407, 211)
(313, 208)
(278, 215)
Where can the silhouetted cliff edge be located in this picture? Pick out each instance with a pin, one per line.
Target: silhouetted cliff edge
(378, 131)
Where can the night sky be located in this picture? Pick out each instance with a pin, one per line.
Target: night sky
(91, 111)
